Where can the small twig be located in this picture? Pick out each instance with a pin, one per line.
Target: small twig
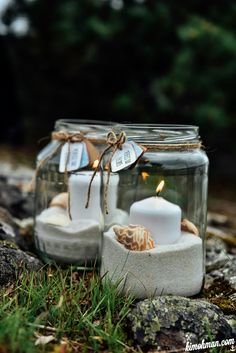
(43, 327)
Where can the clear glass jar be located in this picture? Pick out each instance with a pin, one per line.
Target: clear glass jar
(65, 230)
(175, 219)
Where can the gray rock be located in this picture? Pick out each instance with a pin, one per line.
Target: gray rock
(231, 319)
(13, 261)
(7, 232)
(17, 233)
(169, 322)
(227, 271)
(216, 254)
(217, 219)
(12, 199)
(16, 174)
(6, 217)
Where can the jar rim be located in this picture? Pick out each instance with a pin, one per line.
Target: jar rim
(71, 123)
(164, 126)
(91, 128)
(161, 133)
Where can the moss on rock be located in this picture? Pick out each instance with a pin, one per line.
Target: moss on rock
(170, 321)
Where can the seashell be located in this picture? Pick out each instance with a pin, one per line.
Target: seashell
(60, 200)
(134, 237)
(187, 226)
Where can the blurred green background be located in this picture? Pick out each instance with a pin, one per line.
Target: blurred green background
(121, 60)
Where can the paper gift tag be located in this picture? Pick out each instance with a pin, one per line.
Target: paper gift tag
(85, 157)
(123, 158)
(73, 153)
(138, 150)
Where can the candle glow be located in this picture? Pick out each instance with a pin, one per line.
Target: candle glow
(95, 164)
(144, 175)
(160, 187)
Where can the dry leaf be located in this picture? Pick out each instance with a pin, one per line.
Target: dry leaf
(98, 338)
(43, 340)
(60, 301)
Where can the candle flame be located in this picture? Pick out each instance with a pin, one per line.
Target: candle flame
(160, 187)
(95, 163)
(144, 175)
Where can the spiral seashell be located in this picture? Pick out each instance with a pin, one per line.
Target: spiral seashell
(60, 200)
(187, 226)
(134, 237)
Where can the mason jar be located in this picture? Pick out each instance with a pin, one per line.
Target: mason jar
(66, 231)
(155, 241)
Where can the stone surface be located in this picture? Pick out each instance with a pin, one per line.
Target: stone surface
(220, 280)
(168, 322)
(217, 219)
(13, 260)
(227, 271)
(220, 265)
(216, 254)
(227, 235)
(7, 232)
(17, 231)
(19, 204)
(231, 319)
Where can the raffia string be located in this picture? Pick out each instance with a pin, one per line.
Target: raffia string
(67, 137)
(114, 142)
(173, 146)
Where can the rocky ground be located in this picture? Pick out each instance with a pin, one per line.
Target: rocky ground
(166, 323)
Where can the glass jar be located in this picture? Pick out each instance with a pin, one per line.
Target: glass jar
(168, 225)
(65, 230)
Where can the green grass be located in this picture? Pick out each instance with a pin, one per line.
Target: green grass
(76, 308)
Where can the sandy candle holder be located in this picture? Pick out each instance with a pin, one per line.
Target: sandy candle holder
(159, 247)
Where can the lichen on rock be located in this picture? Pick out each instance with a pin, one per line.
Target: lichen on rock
(169, 322)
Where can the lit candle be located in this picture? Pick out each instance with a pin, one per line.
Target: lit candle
(160, 216)
(78, 188)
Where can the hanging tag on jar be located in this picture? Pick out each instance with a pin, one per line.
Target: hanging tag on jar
(85, 157)
(70, 155)
(123, 158)
(138, 150)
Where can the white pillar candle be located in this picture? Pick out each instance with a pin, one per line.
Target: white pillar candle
(112, 195)
(160, 216)
(78, 188)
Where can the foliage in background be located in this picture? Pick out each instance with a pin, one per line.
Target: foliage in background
(153, 61)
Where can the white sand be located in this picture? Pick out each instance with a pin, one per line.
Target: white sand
(77, 241)
(167, 269)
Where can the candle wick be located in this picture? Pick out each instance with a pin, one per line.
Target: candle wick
(157, 194)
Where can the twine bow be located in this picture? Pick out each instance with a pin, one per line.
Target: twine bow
(114, 142)
(63, 137)
(67, 137)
